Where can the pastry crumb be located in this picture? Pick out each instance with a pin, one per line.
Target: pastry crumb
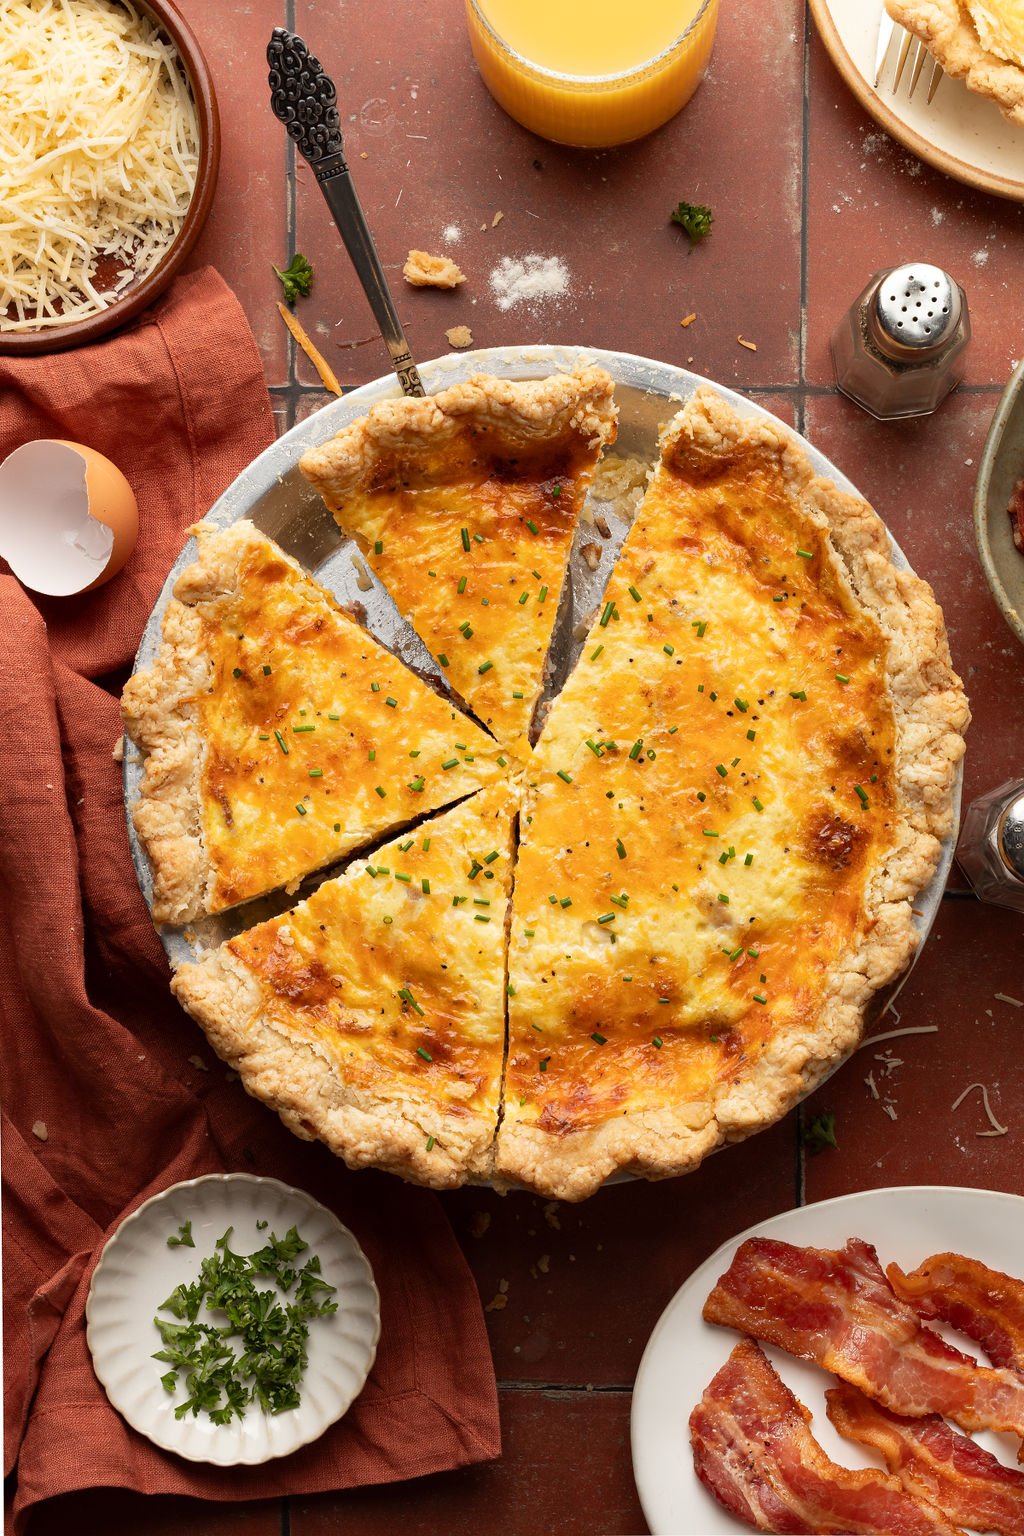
(592, 555)
(751, 346)
(39, 1130)
(118, 752)
(199, 1063)
(497, 218)
(479, 1222)
(688, 319)
(497, 1303)
(544, 1263)
(459, 336)
(422, 270)
(551, 1215)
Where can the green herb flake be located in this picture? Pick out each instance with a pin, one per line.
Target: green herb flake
(542, 595)
(700, 625)
(748, 859)
(316, 773)
(485, 666)
(378, 546)
(821, 1133)
(757, 804)
(759, 997)
(416, 784)
(599, 1039)
(596, 652)
(657, 1042)
(620, 848)
(861, 794)
(296, 278)
(524, 597)
(464, 536)
(695, 218)
(609, 609)
(266, 671)
(462, 585)
(841, 679)
(669, 650)
(634, 594)
(184, 1238)
(430, 1143)
(281, 743)
(723, 899)
(565, 777)
(452, 762)
(607, 917)
(722, 770)
(443, 659)
(381, 792)
(806, 554)
(423, 1054)
(800, 694)
(543, 1063)
(531, 525)
(751, 735)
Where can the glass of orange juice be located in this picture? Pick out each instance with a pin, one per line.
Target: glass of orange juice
(592, 73)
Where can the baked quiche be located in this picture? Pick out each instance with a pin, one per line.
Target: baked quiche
(465, 504)
(732, 805)
(279, 735)
(644, 936)
(978, 41)
(372, 1016)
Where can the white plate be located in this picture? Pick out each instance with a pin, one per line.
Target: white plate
(137, 1271)
(684, 1353)
(961, 133)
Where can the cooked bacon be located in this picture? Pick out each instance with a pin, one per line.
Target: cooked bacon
(838, 1309)
(1016, 511)
(754, 1452)
(981, 1302)
(935, 1463)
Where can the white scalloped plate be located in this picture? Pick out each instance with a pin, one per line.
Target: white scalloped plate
(137, 1270)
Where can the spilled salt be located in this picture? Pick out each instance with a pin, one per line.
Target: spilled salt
(451, 234)
(528, 280)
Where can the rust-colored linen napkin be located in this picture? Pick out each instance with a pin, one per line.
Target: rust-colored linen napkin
(110, 1092)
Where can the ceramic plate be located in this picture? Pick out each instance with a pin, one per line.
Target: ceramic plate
(1002, 465)
(684, 1352)
(961, 133)
(137, 1271)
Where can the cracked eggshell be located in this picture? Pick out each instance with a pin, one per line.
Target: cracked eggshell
(68, 517)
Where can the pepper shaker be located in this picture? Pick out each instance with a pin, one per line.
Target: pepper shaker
(991, 847)
(899, 350)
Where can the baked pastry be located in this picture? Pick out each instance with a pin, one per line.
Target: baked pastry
(712, 851)
(279, 734)
(465, 505)
(979, 41)
(735, 800)
(372, 1016)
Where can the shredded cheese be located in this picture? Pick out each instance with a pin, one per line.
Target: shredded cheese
(895, 1034)
(100, 151)
(322, 366)
(997, 1129)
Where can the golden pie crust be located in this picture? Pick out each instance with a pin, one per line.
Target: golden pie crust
(698, 878)
(979, 41)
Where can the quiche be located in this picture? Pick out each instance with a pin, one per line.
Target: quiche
(279, 735)
(372, 1016)
(465, 505)
(732, 806)
(605, 936)
(978, 41)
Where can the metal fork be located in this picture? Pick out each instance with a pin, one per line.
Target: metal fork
(890, 32)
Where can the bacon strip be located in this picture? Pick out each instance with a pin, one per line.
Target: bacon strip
(754, 1452)
(838, 1309)
(983, 1303)
(935, 1463)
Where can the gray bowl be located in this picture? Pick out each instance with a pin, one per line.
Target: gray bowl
(1002, 465)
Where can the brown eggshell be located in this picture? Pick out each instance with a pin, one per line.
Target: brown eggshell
(111, 501)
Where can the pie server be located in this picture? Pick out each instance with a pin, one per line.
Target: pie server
(304, 99)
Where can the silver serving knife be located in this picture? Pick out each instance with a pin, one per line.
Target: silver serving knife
(304, 99)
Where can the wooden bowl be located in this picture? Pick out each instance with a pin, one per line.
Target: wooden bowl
(138, 295)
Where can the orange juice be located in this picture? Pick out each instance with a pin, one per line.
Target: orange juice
(592, 72)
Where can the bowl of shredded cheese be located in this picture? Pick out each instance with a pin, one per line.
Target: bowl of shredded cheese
(111, 144)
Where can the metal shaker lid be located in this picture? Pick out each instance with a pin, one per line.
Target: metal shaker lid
(1011, 837)
(915, 311)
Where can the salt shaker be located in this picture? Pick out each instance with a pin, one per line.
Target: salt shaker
(991, 847)
(899, 350)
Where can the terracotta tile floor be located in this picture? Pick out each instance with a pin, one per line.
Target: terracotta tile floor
(810, 198)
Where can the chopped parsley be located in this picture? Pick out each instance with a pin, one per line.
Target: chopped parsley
(695, 218)
(296, 278)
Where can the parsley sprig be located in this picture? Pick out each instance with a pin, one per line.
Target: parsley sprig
(270, 1360)
(296, 278)
(695, 218)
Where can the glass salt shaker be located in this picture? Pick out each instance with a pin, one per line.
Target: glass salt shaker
(991, 847)
(899, 350)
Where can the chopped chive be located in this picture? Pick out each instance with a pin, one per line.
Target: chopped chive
(596, 652)
(566, 901)
(517, 693)
(841, 679)
(701, 796)
(780, 599)
(556, 490)
(542, 594)
(382, 869)
(669, 650)
(301, 809)
(713, 696)
(375, 687)
(806, 554)
(700, 687)
(657, 1042)
(425, 886)
(371, 756)
(452, 762)
(371, 871)
(430, 1143)
(424, 1054)
(711, 834)
(391, 703)
(536, 575)
(378, 546)
(742, 705)
(799, 695)
(316, 773)
(337, 826)
(502, 762)
(861, 794)
(620, 848)
(462, 585)
(531, 525)
(263, 736)
(443, 660)
(734, 762)
(757, 804)
(485, 666)
(609, 609)
(609, 917)
(480, 918)
(543, 1063)
(405, 879)
(723, 858)
(751, 735)
(236, 671)
(334, 717)
(415, 752)
(381, 792)
(281, 743)
(416, 784)
(599, 1039)
(755, 954)
(748, 859)
(565, 777)
(634, 594)
(593, 747)
(524, 597)
(700, 625)
(529, 932)
(464, 535)
(650, 754)
(760, 998)
(722, 770)
(480, 901)
(490, 857)
(299, 730)
(426, 845)
(723, 899)
(636, 748)
(266, 671)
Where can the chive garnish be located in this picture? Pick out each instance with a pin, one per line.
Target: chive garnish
(462, 585)
(430, 1143)
(281, 743)
(236, 671)
(464, 535)
(609, 609)
(542, 594)
(442, 659)
(316, 773)
(263, 736)
(760, 998)
(711, 834)
(751, 735)
(531, 525)
(299, 730)
(480, 918)
(723, 899)
(669, 650)
(378, 546)
(805, 554)
(757, 804)
(391, 703)
(634, 594)
(636, 748)
(301, 809)
(425, 886)
(565, 777)
(657, 1042)
(266, 671)
(524, 597)
(485, 666)
(381, 792)
(405, 993)
(861, 794)
(841, 679)
(700, 625)
(543, 1063)
(599, 1039)
(416, 785)
(489, 858)
(596, 652)
(502, 762)
(424, 1054)
(742, 705)
(371, 756)
(701, 796)
(620, 848)
(452, 762)
(748, 859)
(799, 695)
(375, 687)
(722, 770)
(608, 917)
(517, 693)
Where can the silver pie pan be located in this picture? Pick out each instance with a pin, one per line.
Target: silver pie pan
(273, 494)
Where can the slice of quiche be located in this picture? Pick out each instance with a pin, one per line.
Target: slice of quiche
(279, 734)
(978, 41)
(735, 800)
(372, 1016)
(465, 504)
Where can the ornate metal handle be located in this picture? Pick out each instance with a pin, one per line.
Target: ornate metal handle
(304, 99)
